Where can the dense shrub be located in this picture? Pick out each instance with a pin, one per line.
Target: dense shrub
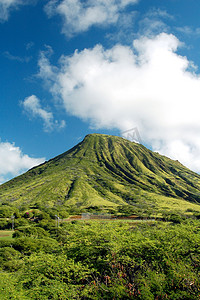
(10, 259)
(104, 260)
(30, 231)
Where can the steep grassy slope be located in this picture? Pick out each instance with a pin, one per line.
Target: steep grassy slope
(106, 171)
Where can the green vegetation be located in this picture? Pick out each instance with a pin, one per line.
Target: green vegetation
(102, 260)
(105, 172)
(155, 254)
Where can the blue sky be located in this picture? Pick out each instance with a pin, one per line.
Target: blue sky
(73, 67)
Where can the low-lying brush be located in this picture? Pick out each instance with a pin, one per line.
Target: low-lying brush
(102, 260)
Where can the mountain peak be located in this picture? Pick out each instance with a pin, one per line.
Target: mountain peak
(104, 171)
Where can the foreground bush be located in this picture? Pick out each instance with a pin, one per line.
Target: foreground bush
(105, 260)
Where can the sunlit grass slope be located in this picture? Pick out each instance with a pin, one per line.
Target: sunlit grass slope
(106, 171)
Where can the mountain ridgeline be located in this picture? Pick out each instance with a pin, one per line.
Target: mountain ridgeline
(105, 171)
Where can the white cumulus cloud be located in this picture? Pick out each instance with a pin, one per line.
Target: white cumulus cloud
(14, 162)
(148, 85)
(32, 105)
(79, 15)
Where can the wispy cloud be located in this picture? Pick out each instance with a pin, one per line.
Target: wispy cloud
(8, 55)
(79, 15)
(188, 30)
(33, 107)
(148, 85)
(29, 45)
(154, 22)
(14, 162)
(6, 6)
(46, 70)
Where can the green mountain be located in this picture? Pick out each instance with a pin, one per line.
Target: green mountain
(106, 171)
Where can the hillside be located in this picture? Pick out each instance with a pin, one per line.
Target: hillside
(106, 171)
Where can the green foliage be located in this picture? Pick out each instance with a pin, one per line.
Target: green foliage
(46, 224)
(50, 276)
(10, 259)
(21, 222)
(175, 218)
(113, 259)
(105, 260)
(5, 224)
(127, 210)
(10, 288)
(28, 215)
(29, 245)
(30, 231)
(5, 211)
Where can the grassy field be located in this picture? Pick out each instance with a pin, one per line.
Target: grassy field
(6, 235)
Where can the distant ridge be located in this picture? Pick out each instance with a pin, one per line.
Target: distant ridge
(105, 171)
